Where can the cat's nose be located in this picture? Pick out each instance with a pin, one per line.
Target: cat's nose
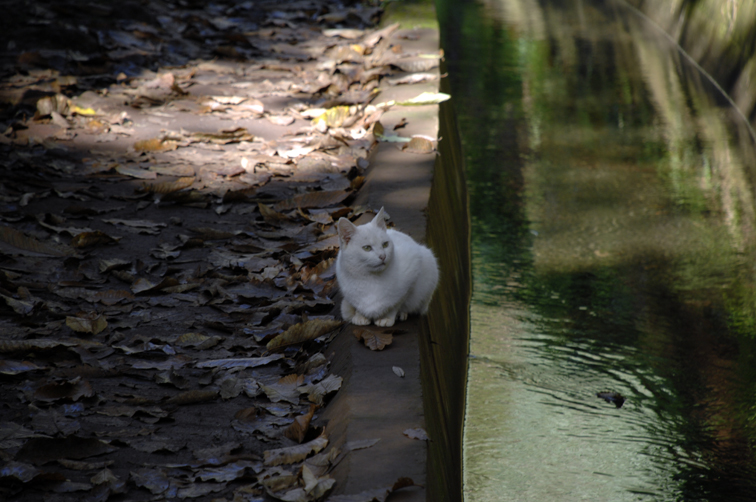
(382, 256)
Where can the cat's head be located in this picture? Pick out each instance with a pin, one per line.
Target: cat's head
(368, 246)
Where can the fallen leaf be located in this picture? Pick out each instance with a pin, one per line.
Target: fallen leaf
(312, 200)
(294, 453)
(286, 389)
(83, 111)
(414, 78)
(317, 391)
(198, 341)
(156, 481)
(419, 145)
(112, 296)
(426, 98)
(229, 472)
(39, 451)
(106, 266)
(223, 137)
(417, 433)
(165, 187)
(141, 226)
(359, 444)
(145, 286)
(333, 117)
(303, 332)
(21, 307)
(135, 171)
(32, 344)
(8, 367)
(19, 471)
(418, 64)
(298, 429)
(30, 246)
(270, 215)
(154, 145)
(244, 362)
(374, 340)
(90, 239)
(73, 390)
(193, 396)
(87, 322)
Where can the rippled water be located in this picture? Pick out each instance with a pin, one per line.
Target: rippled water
(613, 238)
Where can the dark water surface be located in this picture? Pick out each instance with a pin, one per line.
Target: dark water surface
(613, 237)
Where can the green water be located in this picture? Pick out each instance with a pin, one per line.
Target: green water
(613, 236)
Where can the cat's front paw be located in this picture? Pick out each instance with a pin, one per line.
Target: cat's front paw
(403, 316)
(360, 320)
(385, 322)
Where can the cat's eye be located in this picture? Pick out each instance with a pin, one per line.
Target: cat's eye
(367, 248)
(385, 244)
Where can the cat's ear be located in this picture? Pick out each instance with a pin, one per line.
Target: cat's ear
(346, 230)
(380, 219)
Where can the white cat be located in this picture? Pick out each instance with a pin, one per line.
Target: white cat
(382, 273)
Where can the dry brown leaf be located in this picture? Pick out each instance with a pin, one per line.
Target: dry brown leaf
(356, 183)
(32, 344)
(374, 340)
(112, 296)
(294, 453)
(89, 239)
(42, 450)
(136, 172)
(73, 390)
(87, 322)
(140, 226)
(197, 340)
(193, 396)
(312, 200)
(270, 215)
(317, 391)
(21, 307)
(316, 488)
(419, 145)
(415, 65)
(154, 145)
(298, 429)
(49, 104)
(143, 285)
(8, 367)
(165, 187)
(286, 389)
(303, 332)
(29, 245)
(246, 414)
(223, 137)
(114, 264)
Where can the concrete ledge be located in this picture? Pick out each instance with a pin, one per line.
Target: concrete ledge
(425, 195)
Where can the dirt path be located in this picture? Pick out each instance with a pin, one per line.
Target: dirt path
(171, 172)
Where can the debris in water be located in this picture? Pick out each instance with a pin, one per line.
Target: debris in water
(612, 397)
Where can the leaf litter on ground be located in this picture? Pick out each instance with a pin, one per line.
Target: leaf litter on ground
(206, 317)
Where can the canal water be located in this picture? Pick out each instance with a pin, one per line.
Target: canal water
(611, 194)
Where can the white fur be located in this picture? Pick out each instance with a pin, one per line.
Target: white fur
(394, 276)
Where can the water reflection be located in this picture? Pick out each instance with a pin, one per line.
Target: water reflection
(613, 229)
